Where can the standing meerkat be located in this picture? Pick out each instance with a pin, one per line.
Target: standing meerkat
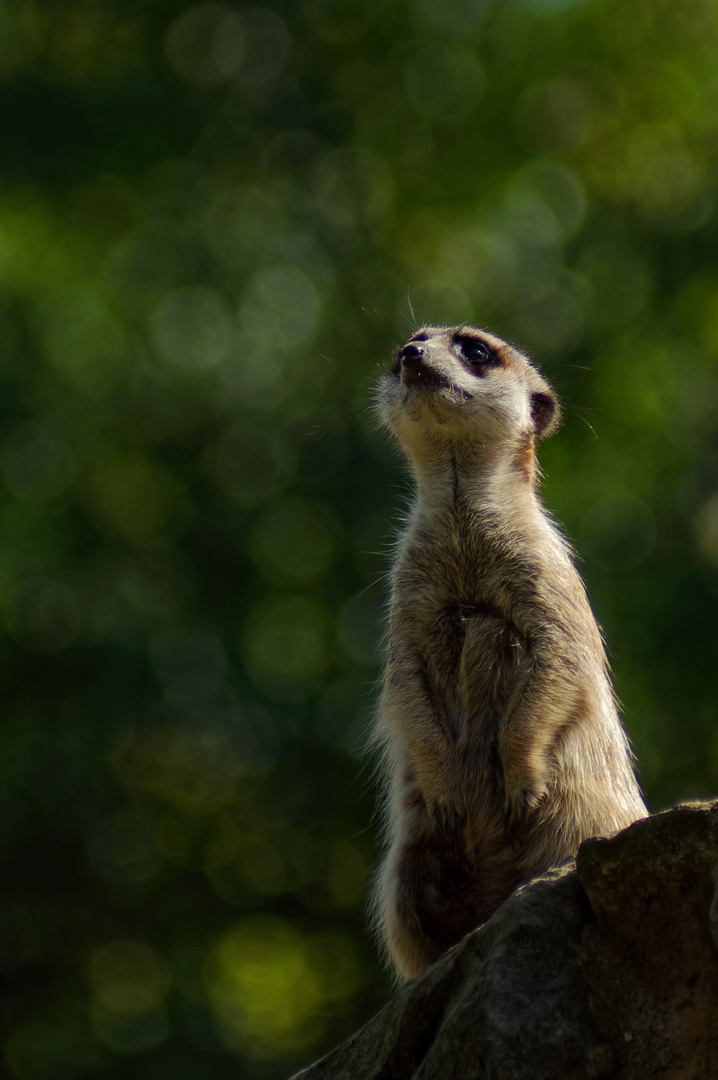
(497, 719)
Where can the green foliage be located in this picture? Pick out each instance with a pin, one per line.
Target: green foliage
(216, 221)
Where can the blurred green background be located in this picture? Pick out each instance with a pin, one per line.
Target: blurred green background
(216, 220)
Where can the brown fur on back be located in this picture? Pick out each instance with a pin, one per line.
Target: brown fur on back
(500, 734)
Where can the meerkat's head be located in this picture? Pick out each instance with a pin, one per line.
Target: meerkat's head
(464, 391)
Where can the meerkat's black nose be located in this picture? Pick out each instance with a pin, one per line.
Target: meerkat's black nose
(411, 354)
(413, 366)
(409, 359)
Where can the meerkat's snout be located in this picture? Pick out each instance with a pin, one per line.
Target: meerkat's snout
(411, 355)
(413, 366)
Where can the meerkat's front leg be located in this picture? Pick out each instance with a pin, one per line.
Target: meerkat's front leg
(529, 737)
(521, 687)
(412, 719)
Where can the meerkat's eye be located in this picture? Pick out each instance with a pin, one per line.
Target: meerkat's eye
(475, 353)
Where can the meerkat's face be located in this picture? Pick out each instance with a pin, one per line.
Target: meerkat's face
(460, 384)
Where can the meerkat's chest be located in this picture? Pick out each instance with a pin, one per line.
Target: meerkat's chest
(457, 615)
(460, 631)
(443, 581)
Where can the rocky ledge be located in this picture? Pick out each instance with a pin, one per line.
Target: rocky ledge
(603, 968)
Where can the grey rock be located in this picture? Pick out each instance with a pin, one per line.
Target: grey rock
(603, 968)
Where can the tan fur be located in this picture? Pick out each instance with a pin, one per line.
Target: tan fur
(497, 720)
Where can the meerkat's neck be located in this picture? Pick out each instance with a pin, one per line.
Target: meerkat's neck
(485, 478)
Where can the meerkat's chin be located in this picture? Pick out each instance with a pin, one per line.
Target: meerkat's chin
(439, 389)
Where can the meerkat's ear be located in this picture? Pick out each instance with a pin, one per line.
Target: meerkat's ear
(543, 411)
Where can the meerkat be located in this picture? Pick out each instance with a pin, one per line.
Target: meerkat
(497, 720)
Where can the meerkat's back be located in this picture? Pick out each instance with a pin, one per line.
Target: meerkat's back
(497, 720)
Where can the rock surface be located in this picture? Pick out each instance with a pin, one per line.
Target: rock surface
(606, 969)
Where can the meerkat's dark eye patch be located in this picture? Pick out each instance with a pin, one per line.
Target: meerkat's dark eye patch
(543, 407)
(475, 353)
